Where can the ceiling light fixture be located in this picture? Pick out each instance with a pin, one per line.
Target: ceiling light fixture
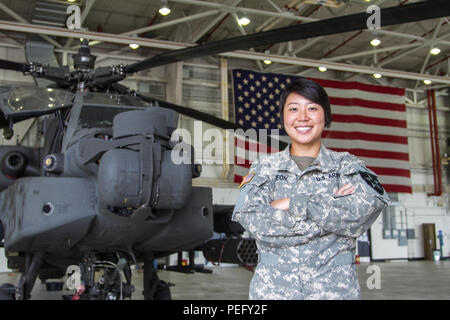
(377, 75)
(427, 82)
(267, 60)
(134, 46)
(164, 9)
(322, 69)
(375, 42)
(435, 51)
(244, 20)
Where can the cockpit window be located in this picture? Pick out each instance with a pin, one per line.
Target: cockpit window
(93, 98)
(23, 99)
(100, 116)
(99, 109)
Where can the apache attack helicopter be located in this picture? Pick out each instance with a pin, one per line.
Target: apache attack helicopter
(102, 193)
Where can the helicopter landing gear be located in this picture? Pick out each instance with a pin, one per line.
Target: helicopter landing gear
(154, 288)
(102, 278)
(33, 262)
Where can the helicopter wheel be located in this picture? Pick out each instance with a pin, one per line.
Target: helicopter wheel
(7, 292)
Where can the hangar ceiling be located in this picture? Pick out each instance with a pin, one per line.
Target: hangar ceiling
(404, 48)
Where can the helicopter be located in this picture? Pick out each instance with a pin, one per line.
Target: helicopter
(102, 193)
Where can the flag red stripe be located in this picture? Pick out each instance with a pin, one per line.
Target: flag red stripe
(397, 188)
(253, 146)
(380, 171)
(367, 104)
(237, 179)
(375, 153)
(358, 135)
(242, 162)
(359, 86)
(369, 120)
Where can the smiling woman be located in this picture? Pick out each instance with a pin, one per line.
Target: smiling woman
(306, 205)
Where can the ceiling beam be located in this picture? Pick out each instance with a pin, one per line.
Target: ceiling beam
(162, 25)
(112, 38)
(17, 17)
(225, 8)
(374, 51)
(204, 30)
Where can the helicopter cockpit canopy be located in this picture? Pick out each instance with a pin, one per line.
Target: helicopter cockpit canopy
(99, 109)
(21, 103)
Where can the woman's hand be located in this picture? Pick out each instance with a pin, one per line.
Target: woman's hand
(281, 204)
(347, 189)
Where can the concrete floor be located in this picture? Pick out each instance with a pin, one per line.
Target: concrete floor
(399, 281)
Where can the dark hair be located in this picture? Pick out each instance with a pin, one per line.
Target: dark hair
(312, 91)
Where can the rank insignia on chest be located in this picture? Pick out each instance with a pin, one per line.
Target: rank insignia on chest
(372, 181)
(246, 179)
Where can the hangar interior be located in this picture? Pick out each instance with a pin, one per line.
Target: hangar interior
(409, 53)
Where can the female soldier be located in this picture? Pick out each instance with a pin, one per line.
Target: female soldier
(306, 205)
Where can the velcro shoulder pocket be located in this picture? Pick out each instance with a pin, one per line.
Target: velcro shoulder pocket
(259, 180)
(354, 168)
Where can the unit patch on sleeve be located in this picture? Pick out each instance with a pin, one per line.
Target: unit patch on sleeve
(247, 179)
(372, 181)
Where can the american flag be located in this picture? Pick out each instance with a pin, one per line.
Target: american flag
(368, 121)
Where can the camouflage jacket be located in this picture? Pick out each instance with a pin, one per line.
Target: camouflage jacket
(307, 252)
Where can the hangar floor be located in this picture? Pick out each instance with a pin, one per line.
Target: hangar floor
(399, 281)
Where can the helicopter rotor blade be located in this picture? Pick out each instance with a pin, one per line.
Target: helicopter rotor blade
(11, 65)
(389, 16)
(198, 115)
(201, 116)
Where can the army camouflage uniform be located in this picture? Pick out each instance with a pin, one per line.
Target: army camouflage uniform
(307, 252)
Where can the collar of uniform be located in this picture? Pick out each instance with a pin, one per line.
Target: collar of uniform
(324, 162)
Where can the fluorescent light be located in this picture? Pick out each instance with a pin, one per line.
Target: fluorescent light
(435, 51)
(427, 82)
(375, 42)
(243, 21)
(377, 75)
(322, 69)
(267, 61)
